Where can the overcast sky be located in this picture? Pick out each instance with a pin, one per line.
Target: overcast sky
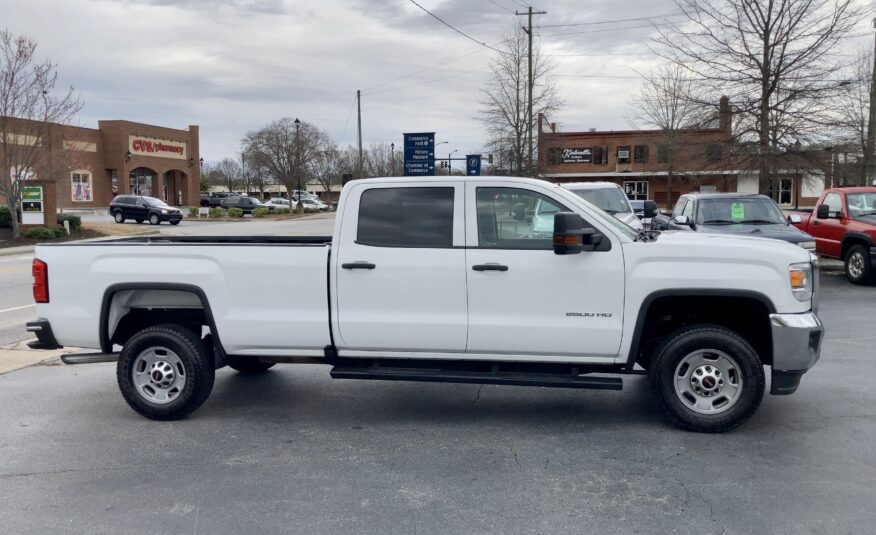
(232, 66)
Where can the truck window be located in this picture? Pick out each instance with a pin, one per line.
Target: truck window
(679, 207)
(834, 203)
(406, 217)
(510, 218)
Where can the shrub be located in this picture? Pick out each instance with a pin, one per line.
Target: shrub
(216, 212)
(281, 211)
(235, 212)
(260, 212)
(5, 217)
(44, 233)
(75, 221)
(193, 212)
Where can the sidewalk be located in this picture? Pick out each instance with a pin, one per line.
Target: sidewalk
(17, 356)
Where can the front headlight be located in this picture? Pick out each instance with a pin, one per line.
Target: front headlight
(800, 279)
(808, 245)
(164, 212)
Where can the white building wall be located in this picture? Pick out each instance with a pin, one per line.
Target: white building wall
(747, 183)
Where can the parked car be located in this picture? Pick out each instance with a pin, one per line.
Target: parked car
(312, 205)
(217, 198)
(247, 204)
(141, 208)
(421, 283)
(205, 200)
(844, 227)
(610, 198)
(739, 214)
(280, 202)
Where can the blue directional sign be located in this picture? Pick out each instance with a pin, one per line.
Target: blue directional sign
(473, 165)
(419, 154)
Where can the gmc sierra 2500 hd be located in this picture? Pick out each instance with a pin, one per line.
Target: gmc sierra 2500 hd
(440, 279)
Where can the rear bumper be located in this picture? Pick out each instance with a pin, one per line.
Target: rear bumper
(796, 348)
(45, 337)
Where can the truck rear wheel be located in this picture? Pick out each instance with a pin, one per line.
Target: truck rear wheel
(165, 372)
(859, 269)
(708, 379)
(248, 364)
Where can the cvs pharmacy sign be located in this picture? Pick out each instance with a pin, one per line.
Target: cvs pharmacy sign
(145, 146)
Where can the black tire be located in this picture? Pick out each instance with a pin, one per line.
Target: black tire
(154, 219)
(138, 221)
(859, 269)
(686, 342)
(119, 216)
(248, 364)
(176, 222)
(195, 358)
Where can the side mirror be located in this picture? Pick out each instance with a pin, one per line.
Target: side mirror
(519, 212)
(822, 212)
(570, 236)
(682, 220)
(795, 219)
(650, 209)
(144, 205)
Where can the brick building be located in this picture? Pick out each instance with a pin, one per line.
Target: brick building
(696, 159)
(87, 167)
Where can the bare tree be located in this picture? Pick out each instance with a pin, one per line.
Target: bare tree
(325, 168)
(284, 151)
(776, 60)
(503, 109)
(229, 174)
(30, 140)
(666, 101)
(854, 111)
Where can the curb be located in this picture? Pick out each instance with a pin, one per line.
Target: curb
(28, 249)
(13, 251)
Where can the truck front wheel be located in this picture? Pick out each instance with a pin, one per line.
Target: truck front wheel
(248, 364)
(859, 270)
(708, 378)
(165, 372)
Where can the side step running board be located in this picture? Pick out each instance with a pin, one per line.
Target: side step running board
(89, 358)
(470, 377)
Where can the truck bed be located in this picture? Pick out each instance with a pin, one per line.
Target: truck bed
(206, 240)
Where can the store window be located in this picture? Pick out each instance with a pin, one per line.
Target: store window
(782, 191)
(636, 190)
(600, 154)
(80, 186)
(714, 152)
(140, 182)
(640, 154)
(114, 179)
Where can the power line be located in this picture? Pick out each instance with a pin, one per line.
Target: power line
(347, 123)
(424, 82)
(447, 60)
(610, 29)
(460, 32)
(595, 55)
(598, 22)
(611, 77)
(500, 6)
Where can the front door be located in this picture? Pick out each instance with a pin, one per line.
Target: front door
(829, 232)
(400, 269)
(525, 300)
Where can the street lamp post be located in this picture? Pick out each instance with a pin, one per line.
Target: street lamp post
(297, 164)
(450, 162)
(392, 159)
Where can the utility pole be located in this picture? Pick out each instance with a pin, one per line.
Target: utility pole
(529, 13)
(359, 115)
(869, 157)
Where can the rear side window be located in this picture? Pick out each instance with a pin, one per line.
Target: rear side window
(406, 217)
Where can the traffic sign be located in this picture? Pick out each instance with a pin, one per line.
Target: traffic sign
(473, 165)
(419, 153)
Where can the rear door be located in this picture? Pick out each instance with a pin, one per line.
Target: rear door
(400, 269)
(525, 300)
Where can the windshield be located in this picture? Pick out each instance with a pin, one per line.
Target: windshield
(736, 211)
(611, 200)
(152, 201)
(862, 204)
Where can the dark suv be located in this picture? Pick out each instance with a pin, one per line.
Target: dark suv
(140, 208)
(247, 204)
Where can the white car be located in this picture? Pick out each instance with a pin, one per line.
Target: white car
(608, 197)
(279, 202)
(431, 279)
(313, 205)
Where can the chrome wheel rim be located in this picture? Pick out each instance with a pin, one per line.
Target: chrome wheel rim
(856, 265)
(118, 217)
(154, 219)
(159, 375)
(708, 381)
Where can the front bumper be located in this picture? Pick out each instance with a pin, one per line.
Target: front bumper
(796, 348)
(873, 256)
(170, 217)
(45, 337)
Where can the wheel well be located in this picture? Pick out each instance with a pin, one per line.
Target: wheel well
(848, 243)
(746, 316)
(129, 311)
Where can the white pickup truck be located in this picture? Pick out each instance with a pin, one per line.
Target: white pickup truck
(440, 279)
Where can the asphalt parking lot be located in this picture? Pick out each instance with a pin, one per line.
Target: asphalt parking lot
(294, 451)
